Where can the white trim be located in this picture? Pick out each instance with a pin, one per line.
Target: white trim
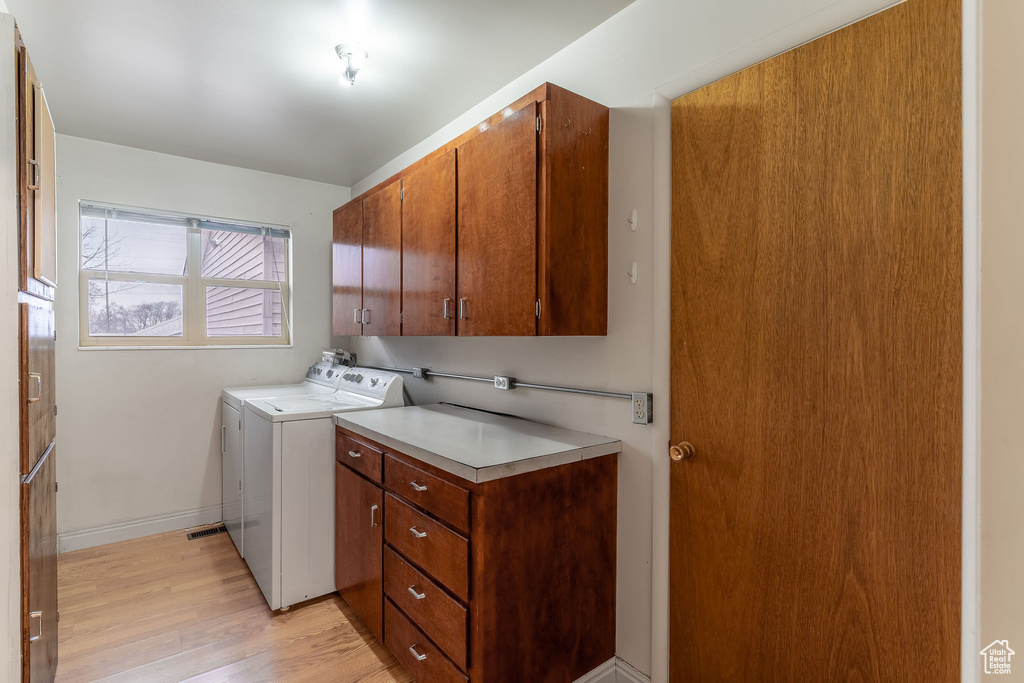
(126, 531)
(615, 670)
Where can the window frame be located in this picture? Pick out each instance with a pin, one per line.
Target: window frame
(193, 301)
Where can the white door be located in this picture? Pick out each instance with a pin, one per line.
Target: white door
(231, 476)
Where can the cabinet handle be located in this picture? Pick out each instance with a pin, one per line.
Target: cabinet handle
(417, 655)
(35, 175)
(366, 316)
(417, 487)
(373, 516)
(355, 316)
(39, 634)
(446, 301)
(39, 385)
(462, 308)
(417, 534)
(418, 596)
(223, 433)
(353, 454)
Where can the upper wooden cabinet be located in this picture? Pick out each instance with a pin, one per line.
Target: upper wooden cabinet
(347, 269)
(503, 231)
(428, 248)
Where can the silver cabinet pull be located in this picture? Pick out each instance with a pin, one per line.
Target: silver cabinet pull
(417, 534)
(417, 655)
(446, 301)
(39, 385)
(355, 315)
(462, 308)
(418, 596)
(354, 454)
(366, 316)
(417, 487)
(373, 516)
(223, 433)
(39, 617)
(35, 174)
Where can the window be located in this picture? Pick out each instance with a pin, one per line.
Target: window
(151, 278)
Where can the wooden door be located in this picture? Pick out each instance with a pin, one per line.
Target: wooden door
(37, 387)
(816, 360)
(28, 163)
(359, 546)
(44, 251)
(382, 262)
(39, 570)
(428, 249)
(347, 270)
(497, 235)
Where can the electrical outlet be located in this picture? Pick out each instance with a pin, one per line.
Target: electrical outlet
(642, 406)
(504, 383)
(420, 373)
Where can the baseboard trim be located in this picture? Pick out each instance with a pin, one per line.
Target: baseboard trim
(614, 670)
(125, 531)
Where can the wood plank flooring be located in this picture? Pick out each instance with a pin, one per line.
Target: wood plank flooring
(164, 608)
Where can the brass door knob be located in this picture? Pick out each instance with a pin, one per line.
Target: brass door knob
(684, 450)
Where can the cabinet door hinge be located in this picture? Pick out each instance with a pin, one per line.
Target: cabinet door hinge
(538, 308)
(54, 408)
(55, 487)
(538, 124)
(401, 194)
(401, 317)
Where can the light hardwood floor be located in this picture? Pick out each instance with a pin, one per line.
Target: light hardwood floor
(164, 608)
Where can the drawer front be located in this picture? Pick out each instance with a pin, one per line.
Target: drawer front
(417, 654)
(437, 496)
(366, 460)
(439, 551)
(436, 613)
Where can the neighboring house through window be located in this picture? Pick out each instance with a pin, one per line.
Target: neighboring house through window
(155, 278)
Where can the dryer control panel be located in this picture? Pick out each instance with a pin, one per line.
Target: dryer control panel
(378, 384)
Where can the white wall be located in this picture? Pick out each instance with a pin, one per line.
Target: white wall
(652, 49)
(10, 527)
(139, 430)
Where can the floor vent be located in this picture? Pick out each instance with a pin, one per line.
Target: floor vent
(212, 531)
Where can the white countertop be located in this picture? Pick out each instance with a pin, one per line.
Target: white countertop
(473, 444)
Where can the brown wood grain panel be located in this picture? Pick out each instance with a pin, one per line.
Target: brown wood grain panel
(572, 250)
(428, 248)
(382, 262)
(358, 546)
(39, 572)
(444, 500)
(440, 553)
(37, 379)
(347, 269)
(440, 616)
(358, 456)
(497, 251)
(27, 154)
(413, 649)
(544, 548)
(44, 240)
(816, 360)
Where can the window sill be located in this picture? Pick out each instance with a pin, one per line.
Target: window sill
(186, 348)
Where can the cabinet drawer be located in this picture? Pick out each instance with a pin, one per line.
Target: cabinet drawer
(447, 501)
(366, 460)
(417, 654)
(439, 551)
(435, 612)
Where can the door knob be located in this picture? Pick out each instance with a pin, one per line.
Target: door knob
(683, 450)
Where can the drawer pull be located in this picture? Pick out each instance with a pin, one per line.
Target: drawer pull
(418, 596)
(417, 487)
(354, 454)
(417, 534)
(417, 655)
(373, 516)
(39, 386)
(39, 634)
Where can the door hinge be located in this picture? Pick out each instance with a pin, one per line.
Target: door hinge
(55, 487)
(401, 195)
(538, 124)
(401, 317)
(538, 308)
(54, 408)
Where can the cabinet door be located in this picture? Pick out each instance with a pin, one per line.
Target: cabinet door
(359, 546)
(428, 249)
(28, 168)
(44, 242)
(38, 394)
(497, 234)
(347, 269)
(382, 262)
(231, 475)
(39, 571)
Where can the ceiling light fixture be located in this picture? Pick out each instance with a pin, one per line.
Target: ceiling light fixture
(353, 57)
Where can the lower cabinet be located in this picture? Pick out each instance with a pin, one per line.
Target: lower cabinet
(508, 580)
(39, 569)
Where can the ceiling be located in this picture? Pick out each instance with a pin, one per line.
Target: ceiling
(256, 83)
